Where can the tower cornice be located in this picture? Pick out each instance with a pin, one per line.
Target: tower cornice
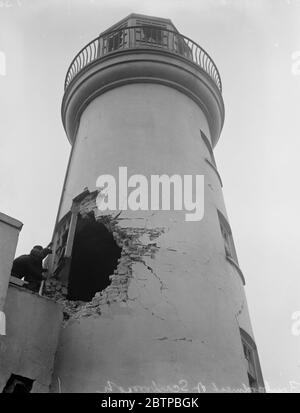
(142, 54)
(142, 66)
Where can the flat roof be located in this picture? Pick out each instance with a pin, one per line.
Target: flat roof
(10, 221)
(139, 16)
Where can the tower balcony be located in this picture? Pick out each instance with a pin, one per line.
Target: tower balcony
(140, 37)
(144, 53)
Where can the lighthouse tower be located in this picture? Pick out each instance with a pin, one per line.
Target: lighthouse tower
(152, 301)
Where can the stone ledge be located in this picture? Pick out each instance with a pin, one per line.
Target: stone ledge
(11, 221)
(142, 66)
(17, 281)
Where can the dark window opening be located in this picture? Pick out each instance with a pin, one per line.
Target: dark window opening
(59, 245)
(18, 384)
(64, 237)
(252, 384)
(209, 148)
(152, 35)
(60, 252)
(254, 373)
(181, 47)
(115, 41)
(227, 237)
(151, 31)
(95, 256)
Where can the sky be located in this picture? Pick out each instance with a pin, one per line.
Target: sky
(256, 46)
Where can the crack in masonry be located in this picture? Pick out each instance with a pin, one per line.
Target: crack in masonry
(238, 313)
(152, 312)
(241, 309)
(137, 299)
(174, 339)
(176, 311)
(183, 339)
(162, 285)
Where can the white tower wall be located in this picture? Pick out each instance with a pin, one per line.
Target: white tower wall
(179, 323)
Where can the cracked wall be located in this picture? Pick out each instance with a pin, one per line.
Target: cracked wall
(133, 249)
(172, 314)
(167, 312)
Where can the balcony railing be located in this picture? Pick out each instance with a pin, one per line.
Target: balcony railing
(137, 37)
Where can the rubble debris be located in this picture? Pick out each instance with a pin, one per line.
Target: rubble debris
(134, 244)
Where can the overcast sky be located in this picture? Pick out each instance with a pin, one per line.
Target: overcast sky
(252, 43)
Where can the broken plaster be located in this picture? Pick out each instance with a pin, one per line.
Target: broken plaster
(137, 244)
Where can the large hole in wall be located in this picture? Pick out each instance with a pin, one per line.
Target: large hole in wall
(95, 256)
(92, 265)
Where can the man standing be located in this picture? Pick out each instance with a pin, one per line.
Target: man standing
(31, 267)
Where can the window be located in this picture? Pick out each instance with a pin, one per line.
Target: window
(227, 237)
(208, 145)
(248, 353)
(115, 41)
(86, 253)
(181, 47)
(215, 170)
(211, 162)
(255, 378)
(151, 33)
(60, 241)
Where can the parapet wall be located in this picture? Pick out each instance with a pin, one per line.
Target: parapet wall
(32, 329)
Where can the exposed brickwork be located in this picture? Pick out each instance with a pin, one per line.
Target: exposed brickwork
(134, 249)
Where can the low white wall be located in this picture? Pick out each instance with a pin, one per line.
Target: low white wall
(9, 233)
